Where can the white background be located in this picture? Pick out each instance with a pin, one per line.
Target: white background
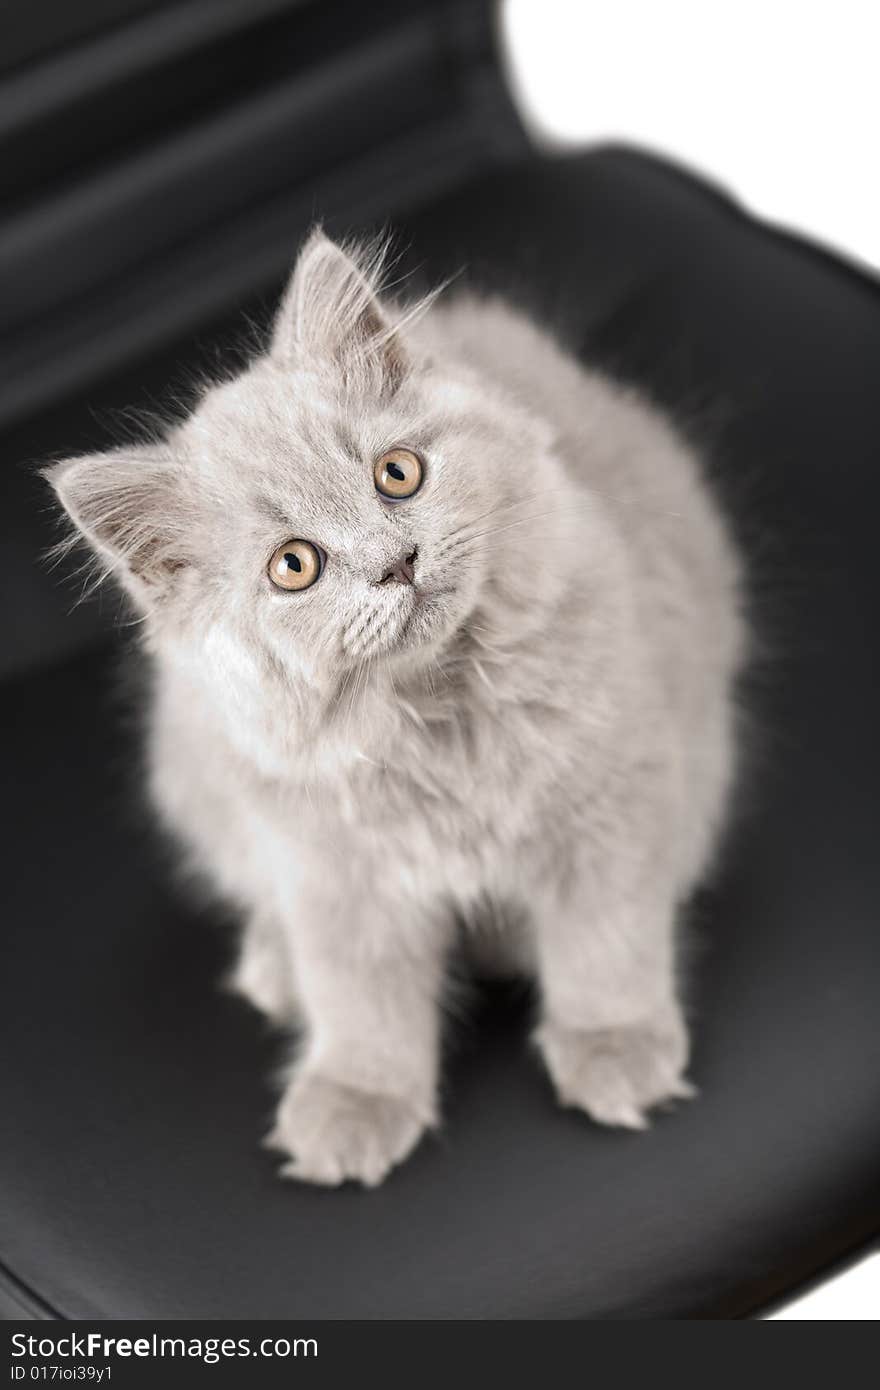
(776, 100)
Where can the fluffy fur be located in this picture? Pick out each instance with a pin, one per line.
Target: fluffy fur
(542, 723)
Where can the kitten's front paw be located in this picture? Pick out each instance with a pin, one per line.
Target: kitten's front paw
(617, 1074)
(335, 1133)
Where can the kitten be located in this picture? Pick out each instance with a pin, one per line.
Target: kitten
(436, 619)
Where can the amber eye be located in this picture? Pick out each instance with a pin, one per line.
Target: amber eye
(296, 565)
(398, 474)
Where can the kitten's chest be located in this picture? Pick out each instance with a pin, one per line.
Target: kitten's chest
(462, 794)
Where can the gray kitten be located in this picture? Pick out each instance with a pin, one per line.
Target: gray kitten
(440, 623)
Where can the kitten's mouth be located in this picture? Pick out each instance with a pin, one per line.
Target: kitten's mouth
(414, 620)
(408, 628)
(430, 618)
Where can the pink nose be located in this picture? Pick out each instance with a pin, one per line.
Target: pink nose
(403, 571)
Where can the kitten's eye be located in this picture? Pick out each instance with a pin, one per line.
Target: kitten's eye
(398, 474)
(296, 565)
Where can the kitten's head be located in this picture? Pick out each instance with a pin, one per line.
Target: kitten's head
(343, 499)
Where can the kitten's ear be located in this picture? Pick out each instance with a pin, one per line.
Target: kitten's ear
(331, 313)
(127, 505)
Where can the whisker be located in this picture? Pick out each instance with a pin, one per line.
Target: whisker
(506, 507)
(520, 521)
(578, 502)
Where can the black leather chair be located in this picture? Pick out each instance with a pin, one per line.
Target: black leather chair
(162, 162)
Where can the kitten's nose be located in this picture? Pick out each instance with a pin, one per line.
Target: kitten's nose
(403, 571)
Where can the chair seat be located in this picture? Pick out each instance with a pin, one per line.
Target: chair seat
(134, 1091)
